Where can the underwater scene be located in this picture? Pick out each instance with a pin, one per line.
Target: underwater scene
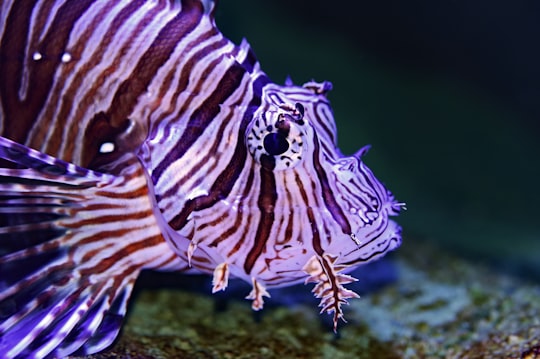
(447, 95)
(305, 179)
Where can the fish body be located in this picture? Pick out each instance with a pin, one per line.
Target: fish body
(136, 136)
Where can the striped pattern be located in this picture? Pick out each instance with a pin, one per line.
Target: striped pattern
(67, 270)
(239, 211)
(96, 71)
(139, 137)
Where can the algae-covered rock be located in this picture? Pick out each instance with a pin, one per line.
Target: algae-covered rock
(439, 307)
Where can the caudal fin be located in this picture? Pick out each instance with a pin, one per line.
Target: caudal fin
(72, 243)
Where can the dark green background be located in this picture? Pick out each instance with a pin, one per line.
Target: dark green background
(446, 92)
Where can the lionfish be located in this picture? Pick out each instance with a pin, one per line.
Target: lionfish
(136, 136)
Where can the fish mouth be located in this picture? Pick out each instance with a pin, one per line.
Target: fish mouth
(376, 247)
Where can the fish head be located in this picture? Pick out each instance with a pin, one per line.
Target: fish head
(310, 198)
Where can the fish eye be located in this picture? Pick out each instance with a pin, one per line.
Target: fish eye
(275, 143)
(279, 135)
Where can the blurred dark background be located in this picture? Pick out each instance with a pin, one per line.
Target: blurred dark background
(448, 94)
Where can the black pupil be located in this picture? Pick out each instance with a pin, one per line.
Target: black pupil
(275, 144)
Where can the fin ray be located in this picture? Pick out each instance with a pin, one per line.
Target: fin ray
(66, 289)
(45, 164)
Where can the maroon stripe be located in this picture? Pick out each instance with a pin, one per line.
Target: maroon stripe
(41, 73)
(11, 66)
(99, 129)
(157, 54)
(316, 240)
(182, 83)
(232, 229)
(130, 249)
(243, 236)
(226, 179)
(290, 223)
(266, 203)
(210, 151)
(202, 116)
(328, 197)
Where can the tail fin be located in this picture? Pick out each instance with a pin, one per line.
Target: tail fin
(72, 243)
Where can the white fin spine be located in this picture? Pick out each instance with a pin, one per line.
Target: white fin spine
(220, 279)
(257, 294)
(325, 273)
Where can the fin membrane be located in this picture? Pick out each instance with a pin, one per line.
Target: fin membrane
(72, 243)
